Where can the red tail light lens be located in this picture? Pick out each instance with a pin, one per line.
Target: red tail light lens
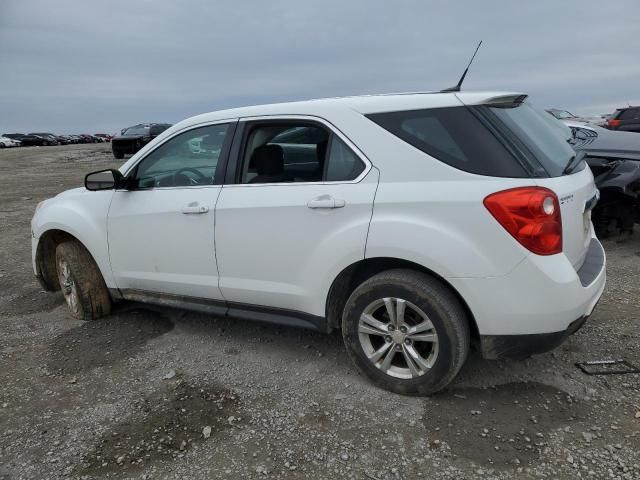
(613, 123)
(531, 215)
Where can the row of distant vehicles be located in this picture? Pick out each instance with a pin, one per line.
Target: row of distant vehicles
(611, 147)
(41, 139)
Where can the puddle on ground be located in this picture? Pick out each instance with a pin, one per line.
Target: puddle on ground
(105, 341)
(163, 426)
(517, 421)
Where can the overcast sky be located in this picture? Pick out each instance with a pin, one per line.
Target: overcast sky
(98, 66)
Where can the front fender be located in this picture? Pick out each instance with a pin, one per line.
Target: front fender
(83, 215)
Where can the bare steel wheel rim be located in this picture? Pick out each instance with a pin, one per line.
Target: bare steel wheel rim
(68, 286)
(398, 338)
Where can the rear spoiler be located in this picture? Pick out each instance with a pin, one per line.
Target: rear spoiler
(505, 101)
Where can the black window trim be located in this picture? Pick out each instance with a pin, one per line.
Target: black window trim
(218, 178)
(236, 157)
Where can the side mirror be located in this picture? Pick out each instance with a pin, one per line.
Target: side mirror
(103, 180)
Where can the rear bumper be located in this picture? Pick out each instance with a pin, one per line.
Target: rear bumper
(518, 347)
(543, 295)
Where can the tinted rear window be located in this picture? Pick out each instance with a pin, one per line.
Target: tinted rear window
(538, 138)
(455, 136)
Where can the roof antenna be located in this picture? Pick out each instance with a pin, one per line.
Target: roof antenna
(456, 88)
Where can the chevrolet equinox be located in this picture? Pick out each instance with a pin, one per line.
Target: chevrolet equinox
(417, 224)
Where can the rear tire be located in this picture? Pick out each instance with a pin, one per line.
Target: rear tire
(434, 345)
(81, 282)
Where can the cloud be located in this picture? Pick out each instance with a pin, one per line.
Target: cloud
(86, 65)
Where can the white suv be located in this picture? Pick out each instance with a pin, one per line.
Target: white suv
(418, 224)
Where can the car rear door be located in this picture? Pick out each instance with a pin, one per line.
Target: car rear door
(281, 244)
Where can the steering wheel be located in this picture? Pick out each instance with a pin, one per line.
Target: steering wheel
(200, 176)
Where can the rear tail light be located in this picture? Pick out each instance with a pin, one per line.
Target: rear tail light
(531, 215)
(613, 123)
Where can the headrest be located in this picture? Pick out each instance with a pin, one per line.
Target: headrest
(268, 159)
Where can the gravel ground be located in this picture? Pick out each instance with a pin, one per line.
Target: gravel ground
(159, 393)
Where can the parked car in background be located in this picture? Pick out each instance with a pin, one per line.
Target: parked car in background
(417, 224)
(53, 140)
(65, 139)
(132, 139)
(567, 115)
(30, 140)
(6, 142)
(625, 119)
(86, 138)
(614, 158)
(105, 137)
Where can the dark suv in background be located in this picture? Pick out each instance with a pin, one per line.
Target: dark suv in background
(625, 119)
(132, 139)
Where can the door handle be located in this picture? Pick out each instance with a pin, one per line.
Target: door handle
(194, 209)
(325, 201)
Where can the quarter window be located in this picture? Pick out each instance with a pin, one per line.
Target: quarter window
(188, 159)
(343, 164)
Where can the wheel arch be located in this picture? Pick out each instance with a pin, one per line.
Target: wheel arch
(356, 273)
(45, 256)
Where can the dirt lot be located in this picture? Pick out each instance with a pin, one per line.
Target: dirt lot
(130, 396)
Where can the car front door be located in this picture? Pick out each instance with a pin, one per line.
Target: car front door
(295, 214)
(161, 227)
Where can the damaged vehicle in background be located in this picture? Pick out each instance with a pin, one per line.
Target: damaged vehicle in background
(614, 158)
(566, 115)
(132, 139)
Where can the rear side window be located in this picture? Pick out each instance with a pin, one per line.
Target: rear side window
(454, 136)
(629, 114)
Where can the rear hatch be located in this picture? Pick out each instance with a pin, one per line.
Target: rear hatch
(539, 142)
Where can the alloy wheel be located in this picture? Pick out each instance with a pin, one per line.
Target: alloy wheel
(398, 337)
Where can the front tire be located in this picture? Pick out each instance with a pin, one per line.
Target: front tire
(406, 331)
(118, 155)
(81, 282)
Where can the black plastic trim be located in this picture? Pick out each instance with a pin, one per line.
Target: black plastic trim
(593, 263)
(519, 347)
(205, 305)
(279, 316)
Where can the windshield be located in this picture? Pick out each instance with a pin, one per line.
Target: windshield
(537, 135)
(138, 130)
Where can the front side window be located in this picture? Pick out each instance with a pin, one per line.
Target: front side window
(188, 159)
(297, 152)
